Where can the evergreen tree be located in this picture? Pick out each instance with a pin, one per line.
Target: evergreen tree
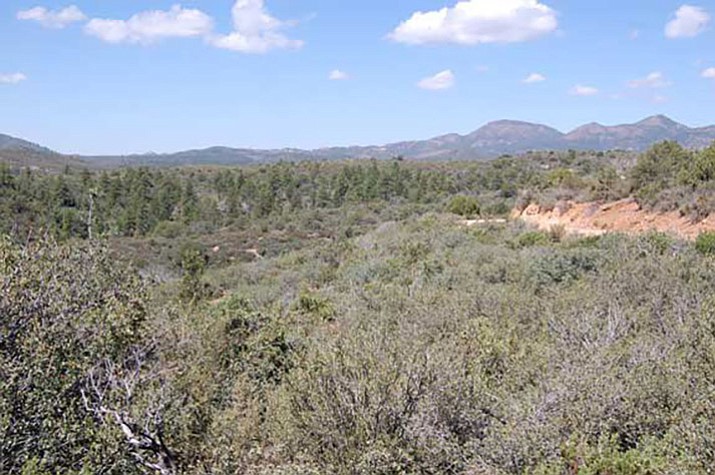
(189, 203)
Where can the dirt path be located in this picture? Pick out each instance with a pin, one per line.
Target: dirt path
(476, 222)
(620, 216)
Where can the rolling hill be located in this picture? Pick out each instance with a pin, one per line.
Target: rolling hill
(8, 142)
(19, 153)
(492, 140)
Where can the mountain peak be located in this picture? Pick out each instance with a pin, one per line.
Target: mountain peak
(512, 123)
(591, 127)
(513, 126)
(511, 136)
(659, 120)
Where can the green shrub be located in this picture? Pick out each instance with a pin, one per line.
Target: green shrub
(562, 177)
(498, 208)
(193, 265)
(311, 304)
(584, 242)
(606, 456)
(658, 242)
(700, 169)
(705, 243)
(169, 229)
(465, 206)
(67, 312)
(659, 166)
(254, 343)
(562, 266)
(531, 239)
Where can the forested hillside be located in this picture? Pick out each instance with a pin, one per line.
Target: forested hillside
(324, 318)
(195, 200)
(198, 200)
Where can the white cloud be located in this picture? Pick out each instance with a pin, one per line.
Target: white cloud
(659, 99)
(150, 26)
(709, 73)
(653, 80)
(53, 18)
(580, 90)
(472, 22)
(255, 30)
(12, 78)
(338, 75)
(534, 78)
(689, 21)
(438, 82)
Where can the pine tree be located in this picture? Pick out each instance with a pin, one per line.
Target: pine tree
(189, 203)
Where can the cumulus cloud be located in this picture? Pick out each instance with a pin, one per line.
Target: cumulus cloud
(689, 22)
(534, 78)
(580, 90)
(709, 73)
(255, 30)
(472, 22)
(653, 80)
(151, 26)
(338, 75)
(438, 82)
(53, 18)
(12, 78)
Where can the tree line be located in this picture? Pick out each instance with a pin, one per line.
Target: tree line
(138, 202)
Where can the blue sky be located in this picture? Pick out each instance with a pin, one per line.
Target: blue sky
(125, 76)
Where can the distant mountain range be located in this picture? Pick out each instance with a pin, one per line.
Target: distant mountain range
(492, 140)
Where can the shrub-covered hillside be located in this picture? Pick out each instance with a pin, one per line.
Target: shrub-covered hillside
(419, 347)
(341, 319)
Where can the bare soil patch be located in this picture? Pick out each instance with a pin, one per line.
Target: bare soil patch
(624, 216)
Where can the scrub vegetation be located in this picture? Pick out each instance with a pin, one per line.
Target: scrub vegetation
(340, 318)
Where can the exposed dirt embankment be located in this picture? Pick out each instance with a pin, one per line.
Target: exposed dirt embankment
(620, 216)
